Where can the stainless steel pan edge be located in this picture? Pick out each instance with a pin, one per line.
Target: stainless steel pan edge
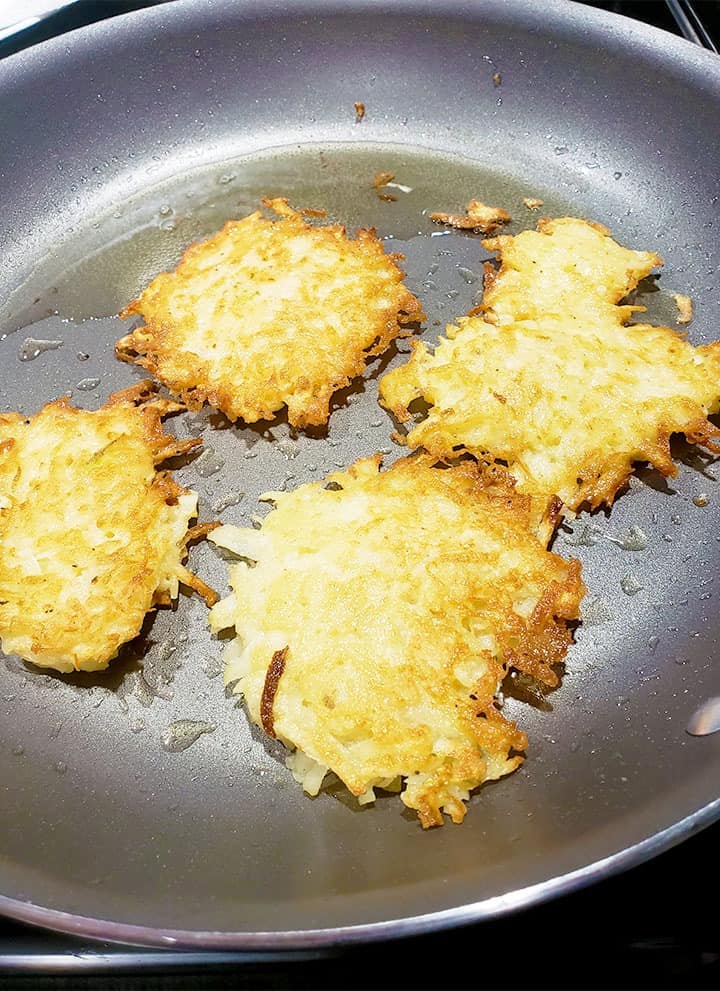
(108, 931)
(45, 197)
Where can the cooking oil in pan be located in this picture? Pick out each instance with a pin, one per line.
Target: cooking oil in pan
(115, 256)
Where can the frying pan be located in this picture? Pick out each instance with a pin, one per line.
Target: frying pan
(123, 142)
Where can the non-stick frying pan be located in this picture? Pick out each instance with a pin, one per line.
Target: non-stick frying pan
(119, 145)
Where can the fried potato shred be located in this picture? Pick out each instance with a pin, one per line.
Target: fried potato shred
(271, 313)
(92, 535)
(478, 217)
(685, 308)
(552, 380)
(376, 615)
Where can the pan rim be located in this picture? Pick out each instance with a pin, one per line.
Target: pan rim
(652, 39)
(499, 905)
(106, 930)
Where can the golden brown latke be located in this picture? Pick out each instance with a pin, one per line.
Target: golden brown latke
(553, 381)
(271, 313)
(92, 536)
(379, 615)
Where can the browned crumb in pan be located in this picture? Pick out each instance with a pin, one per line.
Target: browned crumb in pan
(478, 217)
(359, 112)
(685, 308)
(380, 182)
(533, 202)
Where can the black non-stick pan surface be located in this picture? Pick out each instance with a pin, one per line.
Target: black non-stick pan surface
(122, 143)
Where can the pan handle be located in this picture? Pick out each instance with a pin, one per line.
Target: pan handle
(688, 20)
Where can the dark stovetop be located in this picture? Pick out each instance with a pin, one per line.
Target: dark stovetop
(646, 928)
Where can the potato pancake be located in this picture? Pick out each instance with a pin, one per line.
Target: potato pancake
(271, 313)
(376, 614)
(551, 378)
(91, 535)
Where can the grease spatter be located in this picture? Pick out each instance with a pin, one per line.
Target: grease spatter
(209, 463)
(87, 385)
(33, 347)
(183, 733)
(633, 539)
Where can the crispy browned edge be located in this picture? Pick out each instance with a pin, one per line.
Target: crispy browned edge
(153, 409)
(272, 680)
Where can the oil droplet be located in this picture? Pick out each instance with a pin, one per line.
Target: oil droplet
(701, 500)
(617, 175)
(209, 463)
(183, 733)
(467, 275)
(652, 643)
(165, 210)
(633, 539)
(87, 385)
(582, 535)
(225, 178)
(33, 347)
(18, 751)
(60, 767)
(288, 447)
(595, 611)
(212, 666)
(231, 499)
(82, 356)
(630, 585)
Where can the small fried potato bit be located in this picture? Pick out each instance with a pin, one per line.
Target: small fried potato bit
(554, 381)
(271, 313)
(376, 615)
(92, 535)
(685, 308)
(478, 217)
